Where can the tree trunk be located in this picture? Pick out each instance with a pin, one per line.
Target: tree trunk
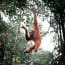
(62, 19)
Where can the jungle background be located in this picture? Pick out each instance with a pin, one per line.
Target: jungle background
(12, 43)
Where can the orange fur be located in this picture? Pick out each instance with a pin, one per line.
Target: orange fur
(37, 37)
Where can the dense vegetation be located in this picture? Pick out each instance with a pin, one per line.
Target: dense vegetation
(12, 43)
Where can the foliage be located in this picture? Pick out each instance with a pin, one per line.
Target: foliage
(55, 5)
(12, 8)
(3, 29)
(58, 7)
(44, 57)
